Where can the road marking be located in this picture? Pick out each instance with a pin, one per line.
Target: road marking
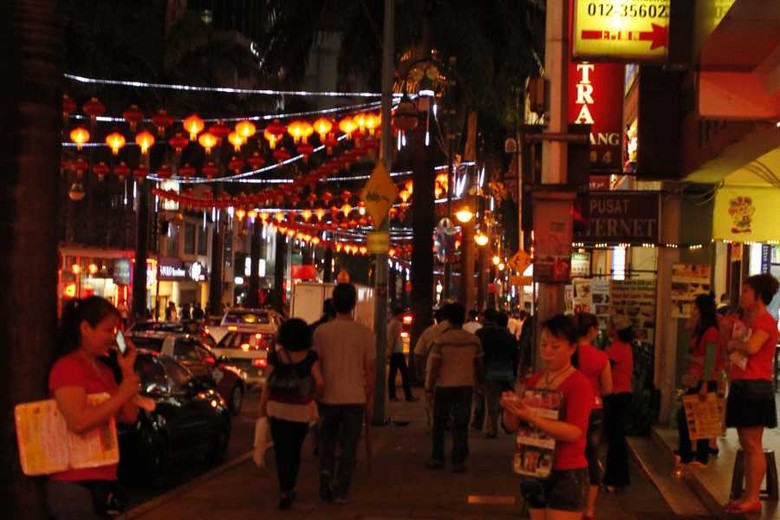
(492, 500)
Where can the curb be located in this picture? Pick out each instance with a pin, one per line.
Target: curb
(144, 508)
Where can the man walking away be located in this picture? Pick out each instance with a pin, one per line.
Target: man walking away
(455, 369)
(500, 361)
(395, 349)
(423, 346)
(348, 358)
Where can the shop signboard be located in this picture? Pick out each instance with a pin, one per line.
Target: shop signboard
(620, 217)
(595, 99)
(172, 269)
(122, 271)
(620, 30)
(746, 214)
(580, 264)
(635, 299)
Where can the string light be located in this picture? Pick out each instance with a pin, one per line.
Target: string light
(220, 90)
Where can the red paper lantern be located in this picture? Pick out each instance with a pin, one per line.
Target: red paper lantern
(141, 173)
(281, 155)
(210, 169)
(219, 130)
(65, 164)
(178, 142)
(68, 107)
(305, 149)
(161, 120)
(80, 165)
(256, 161)
(330, 142)
(186, 171)
(165, 172)
(101, 169)
(122, 170)
(133, 116)
(94, 108)
(274, 133)
(236, 164)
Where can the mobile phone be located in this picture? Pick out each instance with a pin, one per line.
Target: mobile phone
(120, 342)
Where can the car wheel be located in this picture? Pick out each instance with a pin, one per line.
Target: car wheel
(236, 399)
(220, 443)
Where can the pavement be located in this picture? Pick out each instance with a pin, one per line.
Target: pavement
(393, 484)
(710, 485)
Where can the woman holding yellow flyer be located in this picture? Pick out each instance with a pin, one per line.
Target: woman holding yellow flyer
(87, 333)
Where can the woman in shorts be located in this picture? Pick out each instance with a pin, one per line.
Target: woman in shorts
(563, 495)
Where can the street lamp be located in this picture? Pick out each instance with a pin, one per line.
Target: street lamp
(464, 215)
(481, 239)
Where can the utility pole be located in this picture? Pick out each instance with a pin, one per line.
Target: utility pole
(141, 249)
(386, 155)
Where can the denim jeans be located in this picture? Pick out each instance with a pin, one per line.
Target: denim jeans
(493, 391)
(456, 402)
(398, 362)
(340, 425)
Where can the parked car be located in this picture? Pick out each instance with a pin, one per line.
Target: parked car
(207, 367)
(191, 420)
(185, 327)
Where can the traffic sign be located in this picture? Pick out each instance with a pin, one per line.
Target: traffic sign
(625, 30)
(519, 261)
(519, 281)
(378, 242)
(379, 194)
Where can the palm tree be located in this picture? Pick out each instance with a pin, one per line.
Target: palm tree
(32, 43)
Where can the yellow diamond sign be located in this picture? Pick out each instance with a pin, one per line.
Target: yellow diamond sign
(379, 194)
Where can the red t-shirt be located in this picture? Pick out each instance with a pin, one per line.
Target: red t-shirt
(73, 370)
(622, 358)
(699, 352)
(592, 362)
(759, 365)
(577, 404)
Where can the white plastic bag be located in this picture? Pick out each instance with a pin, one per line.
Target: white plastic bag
(262, 441)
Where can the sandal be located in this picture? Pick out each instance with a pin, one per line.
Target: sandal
(736, 509)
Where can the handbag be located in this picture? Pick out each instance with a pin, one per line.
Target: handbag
(262, 441)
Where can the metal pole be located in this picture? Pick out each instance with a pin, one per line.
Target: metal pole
(386, 155)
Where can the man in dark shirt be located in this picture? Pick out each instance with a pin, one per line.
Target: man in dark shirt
(500, 361)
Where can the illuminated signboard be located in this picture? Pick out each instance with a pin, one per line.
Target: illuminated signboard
(632, 30)
(596, 99)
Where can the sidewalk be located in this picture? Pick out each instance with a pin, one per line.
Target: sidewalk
(711, 484)
(399, 486)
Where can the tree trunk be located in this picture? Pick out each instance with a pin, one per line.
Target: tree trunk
(32, 42)
(141, 251)
(253, 298)
(423, 216)
(280, 264)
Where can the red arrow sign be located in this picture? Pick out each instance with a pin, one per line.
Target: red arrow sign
(658, 36)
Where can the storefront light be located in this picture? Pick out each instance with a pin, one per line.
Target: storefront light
(238, 280)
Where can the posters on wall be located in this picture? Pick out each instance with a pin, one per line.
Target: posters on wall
(635, 299)
(552, 246)
(593, 296)
(688, 281)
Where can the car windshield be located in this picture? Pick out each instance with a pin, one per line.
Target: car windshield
(246, 317)
(148, 343)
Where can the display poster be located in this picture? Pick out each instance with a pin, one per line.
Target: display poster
(553, 232)
(688, 282)
(705, 417)
(568, 299)
(535, 449)
(47, 446)
(745, 214)
(635, 299)
(580, 264)
(602, 301)
(582, 299)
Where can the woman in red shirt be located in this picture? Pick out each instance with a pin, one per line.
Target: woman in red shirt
(704, 347)
(565, 491)
(751, 401)
(616, 405)
(87, 333)
(594, 364)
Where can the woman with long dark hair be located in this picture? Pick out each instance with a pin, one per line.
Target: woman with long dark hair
(616, 405)
(87, 333)
(594, 364)
(706, 362)
(751, 402)
(563, 494)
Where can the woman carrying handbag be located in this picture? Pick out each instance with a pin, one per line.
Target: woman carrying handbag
(294, 379)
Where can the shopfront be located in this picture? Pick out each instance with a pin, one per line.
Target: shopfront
(177, 281)
(88, 272)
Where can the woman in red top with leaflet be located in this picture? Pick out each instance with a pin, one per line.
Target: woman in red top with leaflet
(87, 333)
(594, 364)
(621, 357)
(751, 401)
(705, 355)
(563, 494)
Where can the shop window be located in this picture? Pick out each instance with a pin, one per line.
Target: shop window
(172, 242)
(189, 238)
(203, 240)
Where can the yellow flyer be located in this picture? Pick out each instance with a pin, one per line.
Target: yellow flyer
(46, 446)
(704, 416)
